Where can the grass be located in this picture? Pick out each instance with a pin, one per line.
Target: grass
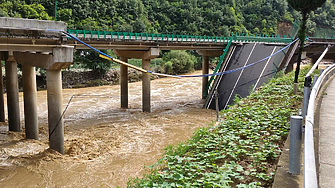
(241, 151)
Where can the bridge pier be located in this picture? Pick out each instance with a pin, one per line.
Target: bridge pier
(146, 56)
(2, 101)
(205, 67)
(12, 94)
(146, 94)
(55, 106)
(124, 83)
(56, 60)
(30, 101)
(205, 70)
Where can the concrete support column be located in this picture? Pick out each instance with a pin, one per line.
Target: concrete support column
(55, 106)
(12, 95)
(30, 101)
(146, 86)
(124, 83)
(205, 70)
(2, 103)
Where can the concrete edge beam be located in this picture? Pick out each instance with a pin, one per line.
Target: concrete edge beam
(210, 53)
(152, 53)
(61, 58)
(32, 24)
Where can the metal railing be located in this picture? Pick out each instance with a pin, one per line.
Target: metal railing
(294, 30)
(237, 37)
(310, 177)
(222, 57)
(325, 33)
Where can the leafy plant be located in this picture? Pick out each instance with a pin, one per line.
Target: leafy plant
(241, 151)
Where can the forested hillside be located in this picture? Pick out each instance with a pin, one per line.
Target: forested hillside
(198, 17)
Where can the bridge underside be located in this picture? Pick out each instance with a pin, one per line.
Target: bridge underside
(146, 45)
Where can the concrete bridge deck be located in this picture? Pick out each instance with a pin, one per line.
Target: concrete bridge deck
(326, 151)
(145, 41)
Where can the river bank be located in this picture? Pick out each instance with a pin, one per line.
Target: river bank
(80, 79)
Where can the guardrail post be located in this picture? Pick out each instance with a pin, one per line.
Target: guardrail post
(307, 92)
(321, 71)
(295, 145)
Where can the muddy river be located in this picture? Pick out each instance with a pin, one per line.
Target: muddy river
(104, 144)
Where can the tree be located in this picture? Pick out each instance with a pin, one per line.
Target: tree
(304, 7)
(178, 61)
(91, 60)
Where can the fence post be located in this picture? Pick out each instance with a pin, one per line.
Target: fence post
(295, 145)
(307, 92)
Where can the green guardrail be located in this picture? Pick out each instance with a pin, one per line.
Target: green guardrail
(222, 57)
(324, 33)
(238, 37)
(294, 30)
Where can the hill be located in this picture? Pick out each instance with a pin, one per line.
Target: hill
(198, 17)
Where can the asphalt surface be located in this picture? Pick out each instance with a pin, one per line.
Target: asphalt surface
(242, 82)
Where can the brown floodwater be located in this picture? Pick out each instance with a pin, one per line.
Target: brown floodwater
(104, 144)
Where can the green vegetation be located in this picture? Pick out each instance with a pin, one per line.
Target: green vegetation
(90, 59)
(178, 61)
(197, 17)
(20, 9)
(241, 151)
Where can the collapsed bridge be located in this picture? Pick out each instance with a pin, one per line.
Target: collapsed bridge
(43, 44)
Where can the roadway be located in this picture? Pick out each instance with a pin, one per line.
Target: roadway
(326, 138)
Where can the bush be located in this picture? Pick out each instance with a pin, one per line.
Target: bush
(156, 62)
(181, 62)
(90, 59)
(168, 69)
